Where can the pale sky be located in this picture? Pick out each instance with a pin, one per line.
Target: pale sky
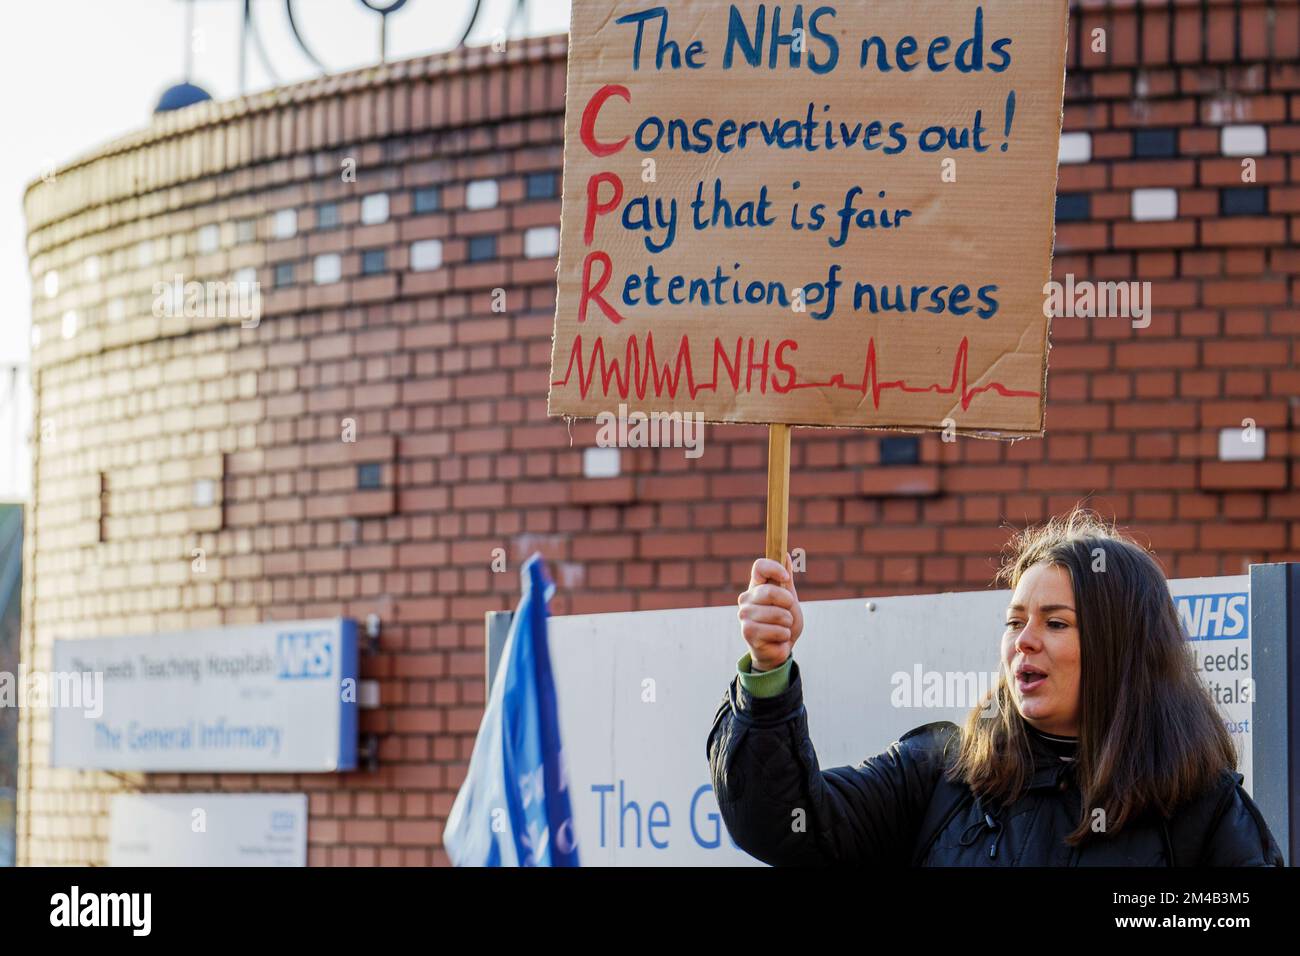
(75, 74)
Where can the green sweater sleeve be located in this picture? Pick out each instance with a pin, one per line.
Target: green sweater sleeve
(763, 683)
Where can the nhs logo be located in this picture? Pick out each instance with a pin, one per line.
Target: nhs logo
(1214, 617)
(303, 654)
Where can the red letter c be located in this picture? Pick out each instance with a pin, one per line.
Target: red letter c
(588, 128)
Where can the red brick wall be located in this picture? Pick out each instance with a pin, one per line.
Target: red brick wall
(449, 398)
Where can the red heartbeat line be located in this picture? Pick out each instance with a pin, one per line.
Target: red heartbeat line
(634, 374)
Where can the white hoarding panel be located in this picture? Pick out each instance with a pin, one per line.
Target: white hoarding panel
(638, 691)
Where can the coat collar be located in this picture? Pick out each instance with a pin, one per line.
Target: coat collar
(1053, 758)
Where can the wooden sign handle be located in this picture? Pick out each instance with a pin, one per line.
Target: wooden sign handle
(778, 491)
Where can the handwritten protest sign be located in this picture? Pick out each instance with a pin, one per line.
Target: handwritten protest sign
(813, 214)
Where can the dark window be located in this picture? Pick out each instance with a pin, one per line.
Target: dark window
(425, 200)
(283, 274)
(541, 185)
(373, 262)
(245, 231)
(1073, 207)
(482, 248)
(1244, 202)
(903, 450)
(370, 475)
(327, 215)
(1155, 143)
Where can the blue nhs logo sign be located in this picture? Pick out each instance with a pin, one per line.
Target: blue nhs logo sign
(1214, 617)
(304, 654)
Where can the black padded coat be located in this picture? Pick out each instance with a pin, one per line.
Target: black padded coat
(896, 808)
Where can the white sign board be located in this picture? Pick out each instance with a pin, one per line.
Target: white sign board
(274, 697)
(1216, 616)
(208, 829)
(638, 691)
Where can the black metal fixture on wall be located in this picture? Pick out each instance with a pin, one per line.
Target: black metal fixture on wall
(384, 10)
(248, 33)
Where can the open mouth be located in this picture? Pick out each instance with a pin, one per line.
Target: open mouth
(1029, 678)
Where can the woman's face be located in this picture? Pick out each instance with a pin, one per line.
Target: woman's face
(1040, 649)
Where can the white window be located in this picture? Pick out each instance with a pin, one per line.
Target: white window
(205, 492)
(1075, 148)
(374, 209)
(1155, 205)
(1242, 444)
(285, 224)
(541, 241)
(426, 254)
(209, 238)
(481, 194)
(600, 463)
(327, 268)
(1249, 140)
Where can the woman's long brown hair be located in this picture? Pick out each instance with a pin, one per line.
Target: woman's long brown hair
(1150, 736)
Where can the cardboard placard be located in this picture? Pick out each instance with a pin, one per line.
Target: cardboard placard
(813, 214)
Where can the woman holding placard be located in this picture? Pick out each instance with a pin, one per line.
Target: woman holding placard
(1099, 745)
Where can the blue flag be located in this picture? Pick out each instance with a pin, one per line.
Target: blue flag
(513, 809)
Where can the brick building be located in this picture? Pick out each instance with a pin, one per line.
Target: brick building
(160, 436)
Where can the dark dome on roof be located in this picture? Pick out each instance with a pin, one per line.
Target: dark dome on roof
(180, 96)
